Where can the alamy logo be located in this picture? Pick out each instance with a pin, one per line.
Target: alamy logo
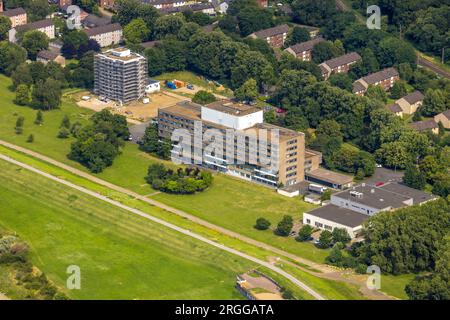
(374, 21)
(74, 280)
(374, 280)
(73, 21)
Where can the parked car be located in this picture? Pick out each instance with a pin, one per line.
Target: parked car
(190, 86)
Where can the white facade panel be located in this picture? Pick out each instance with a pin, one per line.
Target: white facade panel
(232, 121)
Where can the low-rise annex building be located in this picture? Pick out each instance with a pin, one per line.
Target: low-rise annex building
(349, 209)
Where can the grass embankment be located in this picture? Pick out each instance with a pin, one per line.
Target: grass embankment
(121, 256)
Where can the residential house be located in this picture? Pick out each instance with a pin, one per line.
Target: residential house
(339, 65)
(45, 56)
(303, 50)
(275, 36)
(106, 35)
(349, 209)
(410, 102)
(164, 4)
(444, 118)
(384, 78)
(45, 26)
(395, 109)
(18, 16)
(426, 125)
(221, 6)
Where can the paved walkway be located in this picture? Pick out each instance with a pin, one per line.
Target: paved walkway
(169, 225)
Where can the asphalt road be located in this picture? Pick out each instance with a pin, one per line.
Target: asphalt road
(189, 233)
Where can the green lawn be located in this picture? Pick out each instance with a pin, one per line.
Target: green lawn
(230, 203)
(395, 285)
(121, 256)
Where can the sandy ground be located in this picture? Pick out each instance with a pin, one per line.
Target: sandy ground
(136, 111)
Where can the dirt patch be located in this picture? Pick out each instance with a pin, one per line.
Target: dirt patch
(136, 111)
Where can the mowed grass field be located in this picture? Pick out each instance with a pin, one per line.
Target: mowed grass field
(230, 202)
(121, 256)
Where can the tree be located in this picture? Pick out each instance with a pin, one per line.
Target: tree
(19, 125)
(30, 138)
(393, 51)
(5, 26)
(65, 122)
(341, 235)
(157, 60)
(325, 239)
(335, 257)
(341, 80)
(297, 35)
(203, 97)
(22, 95)
(377, 92)
(46, 95)
(11, 56)
(63, 133)
(253, 18)
(167, 25)
(248, 91)
(436, 285)
(34, 41)
(405, 241)
(39, 118)
(304, 234)
(441, 186)
(313, 12)
(73, 42)
(262, 224)
(398, 90)
(325, 50)
(136, 31)
(326, 195)
(393, 155)
(405, 71)
(434, 102)
(414, 178)
(284, 227)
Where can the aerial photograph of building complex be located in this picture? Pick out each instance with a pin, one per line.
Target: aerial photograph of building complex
(247, 151)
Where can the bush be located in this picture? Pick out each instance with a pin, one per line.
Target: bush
(304, 234)
(185, 181)
(325, 239)
(64, 133)
(284, 227)
(262, 224)
(203, 97)
(340, 235)
(30, 138)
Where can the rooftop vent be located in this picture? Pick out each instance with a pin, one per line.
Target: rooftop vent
(356, 194)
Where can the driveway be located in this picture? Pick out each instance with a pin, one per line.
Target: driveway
(137, 131)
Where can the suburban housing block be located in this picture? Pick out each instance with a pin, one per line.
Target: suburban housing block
(339, 65)
(303, 50)
(18, 16)
(384, 78)
(106, 35)
(275, 36)
(407, 104)
(45, 26)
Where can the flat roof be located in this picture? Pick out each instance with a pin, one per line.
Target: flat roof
(418, 196)
(375, 197)
(110, 54)
(330, 176)
(339, 215)
(192, 111)
(232, 108)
